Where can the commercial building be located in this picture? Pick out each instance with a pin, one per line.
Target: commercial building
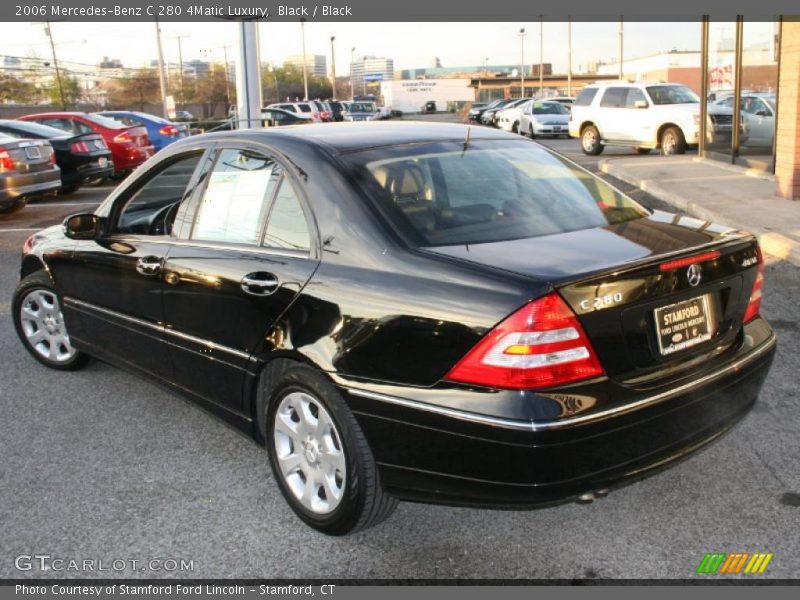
(367, 73)
(410, 95)
(316, 64)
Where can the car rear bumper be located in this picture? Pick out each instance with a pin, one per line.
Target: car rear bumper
(87, 170)
(437, 453)
(13, 187)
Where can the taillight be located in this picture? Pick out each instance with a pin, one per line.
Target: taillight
(169, 130)
(52, 157)
(6, 162)
(754, 305)
(540, 345)
(122, 138)
(79, 147)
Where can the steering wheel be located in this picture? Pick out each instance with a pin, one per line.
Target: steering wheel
(161, 221)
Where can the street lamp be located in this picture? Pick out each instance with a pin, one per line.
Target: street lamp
(541, 56)
(333, 69)
(522, 62)
(305, 73)
(352, 75)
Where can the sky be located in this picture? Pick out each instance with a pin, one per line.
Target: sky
(411, 45)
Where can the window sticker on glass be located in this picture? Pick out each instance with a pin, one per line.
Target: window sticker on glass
(233, 205)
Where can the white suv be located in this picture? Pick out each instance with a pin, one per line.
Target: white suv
(644, 115)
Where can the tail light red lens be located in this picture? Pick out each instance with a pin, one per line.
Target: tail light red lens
(541, 345)
(6, 162)
(122, 138)
(52, 157)
(754, 305)
(79, 147)
(169, 130)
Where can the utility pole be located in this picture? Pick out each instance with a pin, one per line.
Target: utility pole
(162, 80)
(569, 57)
(305, 69)
(55, 65)
(621, 69)
(352, 75)
(522, 62)
(227, 76)
(333, 68)
(180, 64)
(541, 56)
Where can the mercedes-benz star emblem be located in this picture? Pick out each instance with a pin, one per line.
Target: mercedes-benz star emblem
(694, 275)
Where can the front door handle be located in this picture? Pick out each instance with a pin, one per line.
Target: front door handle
(149, 265)
(260, 284)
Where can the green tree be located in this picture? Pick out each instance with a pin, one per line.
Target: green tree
(70, 88)
(282, 82)
(212, 89)
(13, 89)
(135, 90)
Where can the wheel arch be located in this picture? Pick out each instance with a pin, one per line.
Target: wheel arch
(589, 123)
(663, 127)
(31, 264)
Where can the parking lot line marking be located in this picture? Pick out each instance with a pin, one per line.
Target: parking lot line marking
(48, 204)
(20, 229)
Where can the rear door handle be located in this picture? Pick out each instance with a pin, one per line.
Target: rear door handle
(149, 265)
(260, 284)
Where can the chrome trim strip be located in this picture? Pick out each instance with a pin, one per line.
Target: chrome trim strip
(533, 426)
(157, 327)
(211, 246)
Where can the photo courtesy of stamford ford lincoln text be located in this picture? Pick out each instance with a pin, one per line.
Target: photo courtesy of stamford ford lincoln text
(411, 298)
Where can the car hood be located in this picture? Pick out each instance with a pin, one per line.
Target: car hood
(566, 256)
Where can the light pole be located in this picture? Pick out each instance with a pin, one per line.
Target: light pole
(621, 70)
(541, 56)
(162, 80)
(55, 66)
(333, 69)
(179, 37)
(522, 62)
(569, 57)
(305, 70)
(352, 75)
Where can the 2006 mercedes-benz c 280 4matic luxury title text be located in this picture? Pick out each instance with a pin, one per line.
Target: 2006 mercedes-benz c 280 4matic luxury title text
(409, 311)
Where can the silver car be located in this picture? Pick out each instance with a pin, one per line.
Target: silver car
(544, 118)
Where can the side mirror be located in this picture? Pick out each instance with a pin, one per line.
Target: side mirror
(82, 227)
(640, 104)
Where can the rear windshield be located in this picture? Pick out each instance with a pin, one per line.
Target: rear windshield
(441, 194)
(585, 97)
(362, 107)
(37, 129)
(106, 122)
(304, 107)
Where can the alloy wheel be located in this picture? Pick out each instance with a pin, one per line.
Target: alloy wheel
(43, 326)
(309, 452)
(589, 140)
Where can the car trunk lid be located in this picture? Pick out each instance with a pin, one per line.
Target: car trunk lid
(630, 286)
(29, 156)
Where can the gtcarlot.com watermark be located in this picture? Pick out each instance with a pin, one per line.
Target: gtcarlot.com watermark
(49, 563)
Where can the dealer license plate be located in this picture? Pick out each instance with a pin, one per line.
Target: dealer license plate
(684, 324)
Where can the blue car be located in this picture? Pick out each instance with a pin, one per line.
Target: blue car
(160, 131)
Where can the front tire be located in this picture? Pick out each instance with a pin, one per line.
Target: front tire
(40, 326)
(672, 142)
(590, 141)
(318, 453)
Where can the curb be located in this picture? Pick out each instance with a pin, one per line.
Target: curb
(772, 243)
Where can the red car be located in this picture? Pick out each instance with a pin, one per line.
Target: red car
(130, 146)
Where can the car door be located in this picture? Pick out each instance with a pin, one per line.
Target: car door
(760, 121)
(612, 115)
(112, 285)
(641, 126)
(250, 250)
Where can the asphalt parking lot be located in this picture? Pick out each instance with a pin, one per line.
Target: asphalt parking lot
(99, 464)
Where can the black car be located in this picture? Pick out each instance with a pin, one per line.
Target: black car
(80, 157)
(486, 116)
(337, 108)
(409, 311)
(277, 117)
(27, 169)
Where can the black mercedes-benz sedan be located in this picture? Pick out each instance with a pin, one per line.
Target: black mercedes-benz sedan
(408, 311)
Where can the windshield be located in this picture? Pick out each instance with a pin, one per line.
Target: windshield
(550, 108)
(362, 107)
(444, 194)
(672, 94)
(106, 122)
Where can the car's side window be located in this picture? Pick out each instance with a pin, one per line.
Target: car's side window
(585, 97)
(82, 127)
(287, 226)
(234, 203)
(151, 209)
(62, 124)
(634, 95)
(614, 97)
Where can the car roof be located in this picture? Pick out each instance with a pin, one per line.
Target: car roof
(58, 114)
(347, 137)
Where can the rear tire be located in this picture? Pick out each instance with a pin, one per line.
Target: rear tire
(40, 326)
(19, 204)
(318, 453)
(590, 141)
(672, 142)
